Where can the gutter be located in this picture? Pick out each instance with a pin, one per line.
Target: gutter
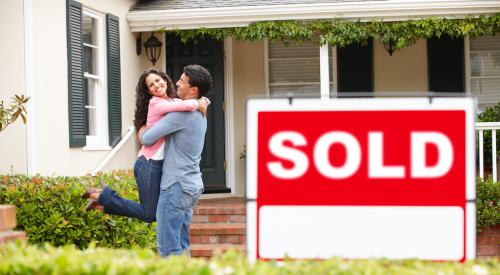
(390, 10)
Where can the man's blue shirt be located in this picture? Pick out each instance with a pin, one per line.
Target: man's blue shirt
(185, 133)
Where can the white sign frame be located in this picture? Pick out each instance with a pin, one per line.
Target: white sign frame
(274, 216)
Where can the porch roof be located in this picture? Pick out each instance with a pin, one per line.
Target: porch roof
(191, 14)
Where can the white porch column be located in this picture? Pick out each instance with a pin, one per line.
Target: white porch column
(324, 71)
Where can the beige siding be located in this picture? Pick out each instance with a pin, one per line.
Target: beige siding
(13, 138)
(248, 77)
(53, 155)
(404, 71)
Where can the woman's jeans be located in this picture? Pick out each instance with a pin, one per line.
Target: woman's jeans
(147, 176)
(174, 214)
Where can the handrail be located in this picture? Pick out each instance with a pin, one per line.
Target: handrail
(481, 127)
(128, 134)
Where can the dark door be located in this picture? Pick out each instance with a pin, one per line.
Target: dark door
(446, 64)
(209, 54)
(355, 70)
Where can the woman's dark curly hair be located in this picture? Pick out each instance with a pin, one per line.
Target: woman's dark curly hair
(142, 96)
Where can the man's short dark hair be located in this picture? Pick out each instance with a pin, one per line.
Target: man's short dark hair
(199, 77)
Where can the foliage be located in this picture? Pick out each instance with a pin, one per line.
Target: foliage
(50, 209)
(17, 109)
(243, 154)
(20, 259)
(488, 203)
(490, 114)
(341, 33)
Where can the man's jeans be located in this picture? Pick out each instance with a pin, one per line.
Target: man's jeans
(147, 176)
(174, 214)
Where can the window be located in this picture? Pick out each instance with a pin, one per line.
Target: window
(295, 68)
(94, 86)
(485, 70)
(94, 78)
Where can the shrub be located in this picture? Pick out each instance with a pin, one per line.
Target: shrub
(19, 259)
(488, 203)
(17, 109)
(51, 210)
(490, 114)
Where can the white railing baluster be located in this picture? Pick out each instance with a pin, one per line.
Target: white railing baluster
(488, 126)
(494, 153)
(481, 155)
(111, 154)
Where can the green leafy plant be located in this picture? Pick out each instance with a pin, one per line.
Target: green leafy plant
(51, 210)
(243, 154)
(488, 203)
(21, 259)
(16, 109)
(341, 33)
(490, 114)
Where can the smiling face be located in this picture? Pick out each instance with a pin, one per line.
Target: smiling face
(157, 86)
(184, 89)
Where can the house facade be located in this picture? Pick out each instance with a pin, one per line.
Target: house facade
(79, 62)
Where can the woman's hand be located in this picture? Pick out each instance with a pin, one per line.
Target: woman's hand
(203, 105)
(141, 131)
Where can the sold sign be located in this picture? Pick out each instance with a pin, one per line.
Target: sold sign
(361, 178)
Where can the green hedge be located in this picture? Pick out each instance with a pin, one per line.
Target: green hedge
(20, 259)
(488, 203)
(51, 210)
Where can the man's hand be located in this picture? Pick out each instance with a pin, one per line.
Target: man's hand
(141, 131)
(202, 105)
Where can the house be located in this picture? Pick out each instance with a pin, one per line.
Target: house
(79, 62)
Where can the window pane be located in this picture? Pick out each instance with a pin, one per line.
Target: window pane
(89, 30)
(295, 68)
(294, 71)
(485, 64)
(485, 70)
(91, 106)
(90, 60)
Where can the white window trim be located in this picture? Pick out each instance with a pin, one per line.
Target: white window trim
(468, 77)
(100, 141)
(325, 92)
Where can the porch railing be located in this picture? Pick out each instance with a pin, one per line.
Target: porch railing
(480, 128)
(109, 156)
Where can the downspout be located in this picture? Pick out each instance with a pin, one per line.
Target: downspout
(28, 82)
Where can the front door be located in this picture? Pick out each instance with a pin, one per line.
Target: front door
(209, 54)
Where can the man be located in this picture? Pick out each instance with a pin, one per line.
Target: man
(181, 183)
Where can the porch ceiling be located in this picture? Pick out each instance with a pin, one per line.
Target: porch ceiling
(192, 14)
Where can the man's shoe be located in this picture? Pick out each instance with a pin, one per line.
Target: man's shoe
(93, 204)
(88, 192)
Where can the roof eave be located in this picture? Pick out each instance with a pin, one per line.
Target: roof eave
(391, 10)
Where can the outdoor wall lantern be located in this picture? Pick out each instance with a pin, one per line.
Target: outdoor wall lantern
(153, 48)
(390, 46)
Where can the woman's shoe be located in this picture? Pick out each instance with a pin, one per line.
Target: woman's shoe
(88, 192)
(103, 185)
(93, 204)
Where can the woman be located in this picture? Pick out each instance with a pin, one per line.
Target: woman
(155, 97)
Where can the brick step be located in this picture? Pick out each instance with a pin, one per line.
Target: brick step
(217, 229)
(218, 239)
(7, 217)
(208, 250)
(7, 236)
(220, 209)
(219, 218)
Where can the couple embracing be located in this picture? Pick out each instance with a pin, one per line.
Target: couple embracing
(171, 126)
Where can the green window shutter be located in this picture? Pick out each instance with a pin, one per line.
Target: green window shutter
(114, 79)
(76, 82)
